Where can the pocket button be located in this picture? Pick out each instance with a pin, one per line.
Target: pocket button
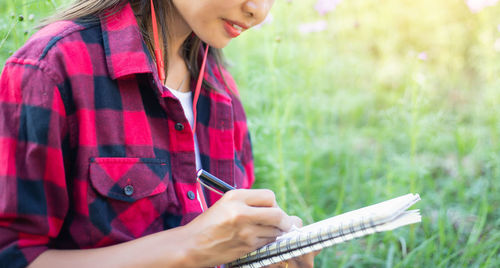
(190, 195)
(179, 127)
(128, 190)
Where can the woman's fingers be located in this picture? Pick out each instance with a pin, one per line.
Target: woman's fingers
(304, 261)
(296, 221)
(268, 232)
(260, 207)
(240, 222)
(259, 231)
(272, 216)
(253, 198)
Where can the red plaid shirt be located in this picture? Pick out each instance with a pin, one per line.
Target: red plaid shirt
(94, 151)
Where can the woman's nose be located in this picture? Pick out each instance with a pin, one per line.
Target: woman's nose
(257, 9)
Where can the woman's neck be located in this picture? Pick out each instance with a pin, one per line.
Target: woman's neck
(178, 32)
(177, 75)
(177, 71)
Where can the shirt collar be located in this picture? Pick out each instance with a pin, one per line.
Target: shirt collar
(125, 50)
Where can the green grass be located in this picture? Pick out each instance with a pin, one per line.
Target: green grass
(350, 116)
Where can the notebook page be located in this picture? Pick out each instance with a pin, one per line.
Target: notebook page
(380, 212)
(342, 226)
(408, 217)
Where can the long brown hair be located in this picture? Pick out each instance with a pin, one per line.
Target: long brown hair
(91, 9)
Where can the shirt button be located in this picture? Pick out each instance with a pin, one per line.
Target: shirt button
(128, 190)
(191, 195)
(179, 127)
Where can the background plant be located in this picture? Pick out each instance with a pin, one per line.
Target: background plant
(354, 102)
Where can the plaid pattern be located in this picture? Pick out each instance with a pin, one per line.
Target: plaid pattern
(91, 150)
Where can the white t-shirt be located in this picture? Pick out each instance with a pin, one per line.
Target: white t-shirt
(187, 105)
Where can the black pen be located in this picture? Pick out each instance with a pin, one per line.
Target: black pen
(213, 183)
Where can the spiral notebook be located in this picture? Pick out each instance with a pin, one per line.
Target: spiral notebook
(384, 216)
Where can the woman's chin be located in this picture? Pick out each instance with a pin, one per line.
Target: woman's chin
(216, 43)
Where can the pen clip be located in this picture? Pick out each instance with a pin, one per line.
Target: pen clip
(213, 183)
(210, 187)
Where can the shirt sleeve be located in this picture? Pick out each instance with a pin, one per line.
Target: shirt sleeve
(33, 192)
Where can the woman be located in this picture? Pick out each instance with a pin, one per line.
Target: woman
(107, 112)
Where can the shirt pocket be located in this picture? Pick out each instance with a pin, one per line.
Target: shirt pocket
(127, 197)
(129, 179)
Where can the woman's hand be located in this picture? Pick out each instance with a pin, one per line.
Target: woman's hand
(304, 261)
(240, 222)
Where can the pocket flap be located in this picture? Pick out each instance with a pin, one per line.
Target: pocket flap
(129, 179)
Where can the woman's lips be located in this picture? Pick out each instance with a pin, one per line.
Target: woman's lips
(232, 29)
